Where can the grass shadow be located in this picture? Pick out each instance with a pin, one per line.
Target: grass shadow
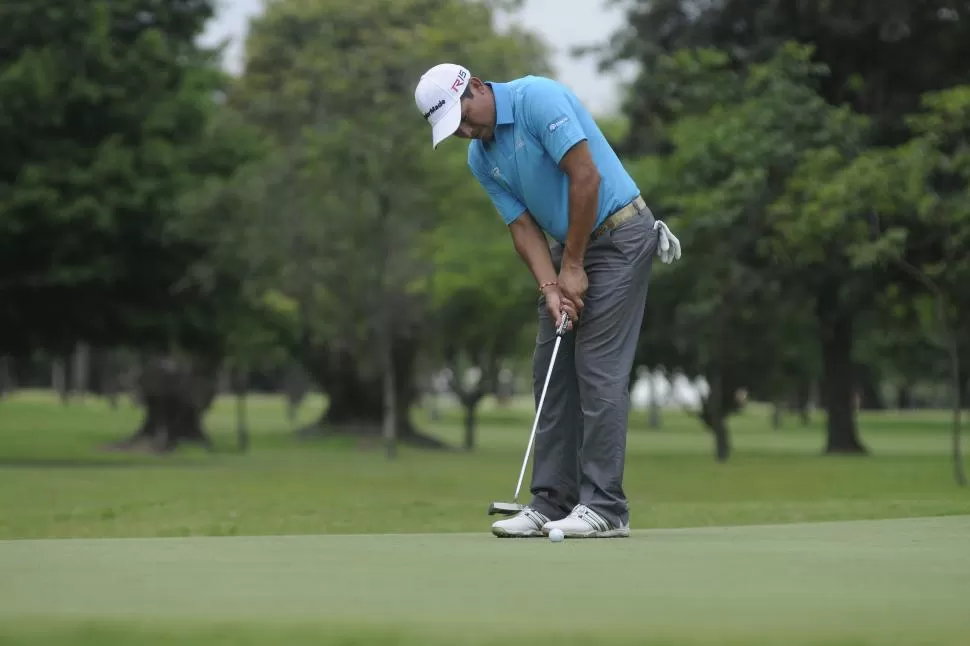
(94, 463)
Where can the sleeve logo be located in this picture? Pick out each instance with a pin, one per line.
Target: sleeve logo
(558, 123)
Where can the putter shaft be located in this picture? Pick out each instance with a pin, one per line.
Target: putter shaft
(535, 424)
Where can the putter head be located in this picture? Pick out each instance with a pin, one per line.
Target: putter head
(504, 508)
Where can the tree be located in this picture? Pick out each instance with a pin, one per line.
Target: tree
(881, 55)
(104, 128)
(920, 189)
(739, 136)
(881, 58)
(333, 219)
(100, 111)
(480, 292)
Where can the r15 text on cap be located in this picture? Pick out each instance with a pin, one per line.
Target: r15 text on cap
(458, 81)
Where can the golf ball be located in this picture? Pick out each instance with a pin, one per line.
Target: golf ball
(556, 535)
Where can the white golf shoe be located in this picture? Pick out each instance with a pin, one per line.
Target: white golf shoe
(583, 522)
(526, 523)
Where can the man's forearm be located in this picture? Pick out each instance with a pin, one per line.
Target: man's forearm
(531, 245)
(583, 200)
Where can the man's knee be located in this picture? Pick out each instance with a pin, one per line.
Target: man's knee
(605, 367)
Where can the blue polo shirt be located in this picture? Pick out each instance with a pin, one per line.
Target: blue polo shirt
(537, 120)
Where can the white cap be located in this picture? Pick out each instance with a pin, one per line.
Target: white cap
(438, 97)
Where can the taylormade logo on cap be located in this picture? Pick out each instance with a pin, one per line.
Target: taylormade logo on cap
(438, 97)
(434, 108)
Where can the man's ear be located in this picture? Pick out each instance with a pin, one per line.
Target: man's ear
(477, 85)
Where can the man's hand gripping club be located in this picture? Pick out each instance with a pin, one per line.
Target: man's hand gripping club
(531, 245)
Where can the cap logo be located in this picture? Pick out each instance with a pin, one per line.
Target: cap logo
(437, 106)
(459, 81)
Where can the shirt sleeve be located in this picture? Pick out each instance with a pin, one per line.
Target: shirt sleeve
(551, 118)
(508, 206)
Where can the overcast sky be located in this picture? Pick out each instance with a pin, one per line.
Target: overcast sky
(561, 23)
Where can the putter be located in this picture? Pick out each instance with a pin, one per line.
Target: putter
(512, 508)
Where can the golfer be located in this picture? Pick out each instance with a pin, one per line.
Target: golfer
(548, 169)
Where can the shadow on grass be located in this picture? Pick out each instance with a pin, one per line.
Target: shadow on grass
(81, 463)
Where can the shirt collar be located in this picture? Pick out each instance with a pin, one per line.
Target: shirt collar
(503, 103)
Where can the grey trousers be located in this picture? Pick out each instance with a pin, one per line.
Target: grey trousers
(580, 444)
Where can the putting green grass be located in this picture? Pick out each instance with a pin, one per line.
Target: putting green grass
(901, 581)
(328, 542)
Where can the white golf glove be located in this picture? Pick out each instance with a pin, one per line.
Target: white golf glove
(668, 247)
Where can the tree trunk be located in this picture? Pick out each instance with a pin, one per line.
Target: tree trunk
(471, 396)
(176, 393)
(390, 407)
(242, 425)
(957, 383)
(653, 411)
(295, 388)
(6, 378)
(356, 401)
(714, 414)
(81, 369)
(803, 399)
(838, 384)
(777, 412)
(469, 429)
(654, 419)
(240, 387)
(721, 400)
(470, 402)
(904, 397)
(722, 443)
(108, 375)
(503, 387)
(59, 379)
(868, 382)
(959, 473)
(964, 383)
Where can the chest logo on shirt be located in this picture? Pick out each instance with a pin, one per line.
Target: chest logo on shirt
(558, 123)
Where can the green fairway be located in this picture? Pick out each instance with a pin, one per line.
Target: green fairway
(874, 582)
(327, 542)
(59, 483)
